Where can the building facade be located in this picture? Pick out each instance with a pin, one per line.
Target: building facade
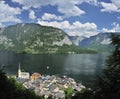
(23, 75)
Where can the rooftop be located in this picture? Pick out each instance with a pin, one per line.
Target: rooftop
(53, 86)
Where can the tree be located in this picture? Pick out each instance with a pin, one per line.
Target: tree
(109, 83)
(10, 89)
(68, 93)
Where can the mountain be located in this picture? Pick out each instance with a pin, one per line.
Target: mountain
(76, 39)
(32, 37)
(99, 42)
(35, 38)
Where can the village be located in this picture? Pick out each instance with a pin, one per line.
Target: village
(48, 86)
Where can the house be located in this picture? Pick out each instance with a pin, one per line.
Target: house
(35, 76)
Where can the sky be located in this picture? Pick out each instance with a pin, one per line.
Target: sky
(75, 17)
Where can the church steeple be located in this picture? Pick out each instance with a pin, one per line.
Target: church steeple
(19, 70)
(22, 75)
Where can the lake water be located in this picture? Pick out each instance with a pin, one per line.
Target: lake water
(82, 67)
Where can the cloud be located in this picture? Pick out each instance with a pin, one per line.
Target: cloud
(64, 7)
(48, 16)
(87, 29)
(8, 13)
(30, 4)
(1, 25)
(32, 15)
(69, 8)
(74, 29)
(114, 6)
(92, 2)
(115, 28)
(62, 25)
(108, 30)
(116, 2)
(109, 7)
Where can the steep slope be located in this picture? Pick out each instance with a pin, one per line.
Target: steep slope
(99, 42)
(76, 39)
(32, 38)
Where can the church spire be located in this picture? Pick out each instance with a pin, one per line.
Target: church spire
(19, 70)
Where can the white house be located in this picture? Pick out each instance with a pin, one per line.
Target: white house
(24, 75)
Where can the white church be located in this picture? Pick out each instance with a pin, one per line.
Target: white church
(23, 75)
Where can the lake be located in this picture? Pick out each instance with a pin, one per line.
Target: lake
(82, 67)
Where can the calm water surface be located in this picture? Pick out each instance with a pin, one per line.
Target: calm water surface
(82, 67)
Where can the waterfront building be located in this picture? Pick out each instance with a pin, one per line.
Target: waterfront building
(23, 75)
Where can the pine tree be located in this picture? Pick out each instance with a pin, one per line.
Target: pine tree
(109, 83)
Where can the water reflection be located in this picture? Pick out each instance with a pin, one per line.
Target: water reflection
(82, 67)
(84, 63)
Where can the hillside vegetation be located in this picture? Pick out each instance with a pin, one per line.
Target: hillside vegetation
(34, 38)
(10, 89)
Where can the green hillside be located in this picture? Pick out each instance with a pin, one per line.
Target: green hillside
(34, 38)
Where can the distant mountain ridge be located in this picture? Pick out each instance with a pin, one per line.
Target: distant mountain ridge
(101, 41)
(35, 38)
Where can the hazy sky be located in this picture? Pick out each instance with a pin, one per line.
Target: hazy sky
(76, 17)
